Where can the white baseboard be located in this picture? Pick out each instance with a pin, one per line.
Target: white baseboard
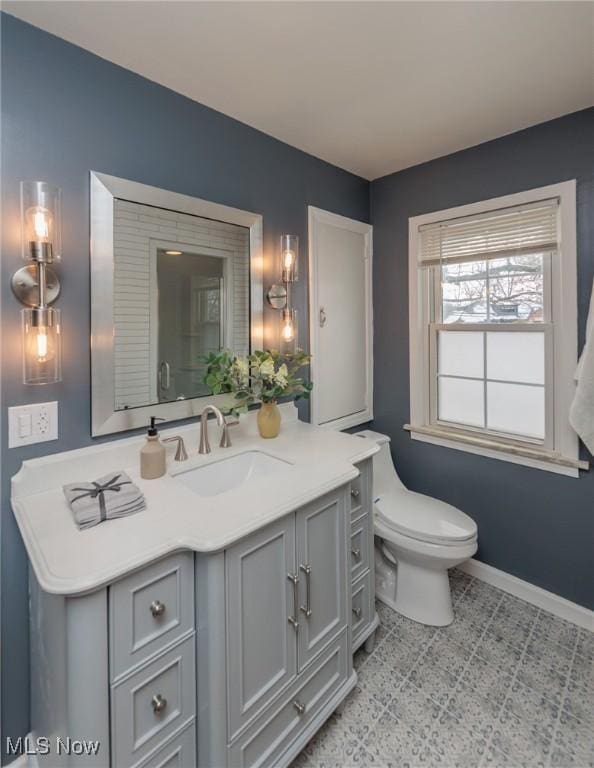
(548, 601)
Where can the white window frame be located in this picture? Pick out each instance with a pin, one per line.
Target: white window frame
(560, 450)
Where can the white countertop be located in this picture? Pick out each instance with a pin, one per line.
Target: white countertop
(69, 561)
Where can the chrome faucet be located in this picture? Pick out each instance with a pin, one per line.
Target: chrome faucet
(204, 444)
(225, 436)
(180, 454)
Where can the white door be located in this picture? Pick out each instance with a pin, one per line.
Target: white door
(341, 323)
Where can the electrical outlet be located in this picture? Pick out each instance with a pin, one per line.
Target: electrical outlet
(28, 424)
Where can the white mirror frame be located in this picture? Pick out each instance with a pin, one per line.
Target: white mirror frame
(104, 418)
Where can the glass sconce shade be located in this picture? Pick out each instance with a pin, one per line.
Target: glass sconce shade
(289, 254)
(42, 346)
(288, 330)
(41, 221)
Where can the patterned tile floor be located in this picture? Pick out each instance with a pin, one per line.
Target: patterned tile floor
(507, 684)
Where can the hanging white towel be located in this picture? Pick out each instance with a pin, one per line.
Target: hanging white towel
(581, 414)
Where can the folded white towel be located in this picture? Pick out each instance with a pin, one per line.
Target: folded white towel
(581, 414)
(111, 496)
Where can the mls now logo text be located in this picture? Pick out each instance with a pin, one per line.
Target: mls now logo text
(44, 745)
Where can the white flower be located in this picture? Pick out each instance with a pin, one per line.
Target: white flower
(281, 376)
(267, 368)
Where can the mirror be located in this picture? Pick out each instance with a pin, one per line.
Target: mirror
(172, 279)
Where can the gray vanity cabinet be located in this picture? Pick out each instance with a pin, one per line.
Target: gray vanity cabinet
(223, 659)
(286, 600)
(321, 571)
(364, 619)
(261, 650)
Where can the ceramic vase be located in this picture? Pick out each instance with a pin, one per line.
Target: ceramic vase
(269, 420)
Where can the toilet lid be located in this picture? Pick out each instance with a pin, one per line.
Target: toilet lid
(424, 518)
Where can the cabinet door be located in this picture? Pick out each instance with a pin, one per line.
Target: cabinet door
(261, 646)
(323, 577)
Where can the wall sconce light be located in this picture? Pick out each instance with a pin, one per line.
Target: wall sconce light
(36, 285)
(279, 294)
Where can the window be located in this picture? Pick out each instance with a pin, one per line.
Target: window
(493, 327)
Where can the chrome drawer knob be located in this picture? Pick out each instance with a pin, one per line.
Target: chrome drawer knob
(354, 493)
(157, 608)
(299, 707)
(356, 553)
(357, 612)
(159, 703)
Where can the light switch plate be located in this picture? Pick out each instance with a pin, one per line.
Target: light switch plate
(36, 423)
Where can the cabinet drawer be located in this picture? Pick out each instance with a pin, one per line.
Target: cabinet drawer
(152, 704)
(357, 496)
(265, 741)
(361, 490)
(361, 607)
(149, 610)
(180, 752)
(359, 546)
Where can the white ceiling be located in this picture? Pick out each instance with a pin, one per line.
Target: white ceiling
(372, 87)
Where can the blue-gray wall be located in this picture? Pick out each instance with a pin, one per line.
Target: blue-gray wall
(534, 524)
(65, 112)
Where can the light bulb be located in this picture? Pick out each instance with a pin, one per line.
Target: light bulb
(39, 224)
(288, 259)
(42, 344)
(288, 330)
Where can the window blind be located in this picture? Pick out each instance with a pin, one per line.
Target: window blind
(519, 231)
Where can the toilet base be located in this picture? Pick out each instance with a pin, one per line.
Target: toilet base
(419, 592)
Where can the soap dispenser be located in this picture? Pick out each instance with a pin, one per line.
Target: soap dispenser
(152, 456)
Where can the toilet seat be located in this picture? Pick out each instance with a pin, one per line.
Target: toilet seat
(424, 518)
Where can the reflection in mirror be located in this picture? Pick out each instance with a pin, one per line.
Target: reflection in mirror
(181, 290)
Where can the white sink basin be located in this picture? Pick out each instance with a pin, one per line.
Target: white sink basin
(228, 473)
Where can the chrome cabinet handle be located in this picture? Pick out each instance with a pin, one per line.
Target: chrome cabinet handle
(165, 367)
(294, 579)
(357, 612)
(355, 493)
(157, 608)
(158, 703)
(299, 707)
(323, 317)
(356, 553)
(306, 609)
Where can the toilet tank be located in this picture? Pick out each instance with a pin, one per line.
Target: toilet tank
(385, 477)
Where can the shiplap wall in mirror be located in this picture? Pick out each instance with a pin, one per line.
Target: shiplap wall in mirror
(173, 278)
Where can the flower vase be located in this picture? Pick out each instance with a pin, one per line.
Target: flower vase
(269, 420)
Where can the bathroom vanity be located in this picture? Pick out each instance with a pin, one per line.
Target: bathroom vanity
(217, 627)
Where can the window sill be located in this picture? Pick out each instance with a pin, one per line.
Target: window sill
(536, 458)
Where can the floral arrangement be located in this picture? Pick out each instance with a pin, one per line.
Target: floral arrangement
(265, 376)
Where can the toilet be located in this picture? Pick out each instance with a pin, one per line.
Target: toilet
(417, 538)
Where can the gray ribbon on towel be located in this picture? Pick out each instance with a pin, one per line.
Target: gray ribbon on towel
(98, 492)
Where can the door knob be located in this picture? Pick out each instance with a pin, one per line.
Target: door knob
(323, 317)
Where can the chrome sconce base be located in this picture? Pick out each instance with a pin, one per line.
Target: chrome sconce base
(277, 296)
(25, 285)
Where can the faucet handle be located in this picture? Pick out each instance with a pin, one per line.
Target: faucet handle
(225, 436)
(180, 454)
